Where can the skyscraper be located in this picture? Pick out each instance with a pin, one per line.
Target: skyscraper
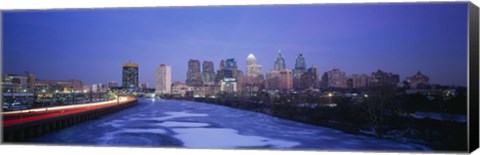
(230, 70)
(300, 66)
(130, 75)
(208, 73)
(279, 62)
(194, 76)
(253, 69)
(230, 74)
(163, 81)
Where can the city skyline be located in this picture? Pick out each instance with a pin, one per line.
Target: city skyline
(404, 49)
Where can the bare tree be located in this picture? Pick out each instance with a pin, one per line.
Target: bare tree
(375, 106)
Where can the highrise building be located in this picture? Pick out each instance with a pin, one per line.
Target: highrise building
(163, 80)
(281, 80)
(300, 66)
(253, 69)
(279, 62)
(222, 64)
(309, 78)
(208, 73)
(286, 79)
(194, 76)
(230, 75)
(334, 79)
(130, 75)
(219, 77)
(357, 81)
(230, 70)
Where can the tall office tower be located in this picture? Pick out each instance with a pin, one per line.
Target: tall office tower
(230, 76)
(163, 80)
(208, 73)
(230, 70)
(334, 79)
(222, 64)
(300, 66)
(253, 69)
(219, 77)
(194, 76)
(130, 75)
(279, 62)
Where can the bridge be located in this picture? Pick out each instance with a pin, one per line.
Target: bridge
(22, 125)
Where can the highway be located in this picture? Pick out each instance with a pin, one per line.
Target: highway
(31, 115)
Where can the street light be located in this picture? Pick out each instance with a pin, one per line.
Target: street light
(330, 95)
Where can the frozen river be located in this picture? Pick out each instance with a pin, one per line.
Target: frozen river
(170, 123)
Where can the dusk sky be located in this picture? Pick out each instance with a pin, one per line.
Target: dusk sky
(92, 44)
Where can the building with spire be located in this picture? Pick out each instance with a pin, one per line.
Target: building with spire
(279, 62)
(300, 66)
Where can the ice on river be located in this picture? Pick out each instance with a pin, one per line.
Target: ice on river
(169, 123)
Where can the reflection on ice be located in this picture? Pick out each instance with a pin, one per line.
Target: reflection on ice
(225, 138)
(173, 115)
(181, 124)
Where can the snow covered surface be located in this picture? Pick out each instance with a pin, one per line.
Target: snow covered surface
(169, 123)
(225, 138)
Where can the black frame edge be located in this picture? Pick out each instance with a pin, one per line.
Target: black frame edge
(473, 118)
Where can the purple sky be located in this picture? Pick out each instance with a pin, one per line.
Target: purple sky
(92, 44)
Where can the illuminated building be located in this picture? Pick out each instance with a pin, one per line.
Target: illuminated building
(300, 66)
(130, 75)
(194, 76)
(253, 69)
(208, 73)
(334, 79)
(163, 80)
